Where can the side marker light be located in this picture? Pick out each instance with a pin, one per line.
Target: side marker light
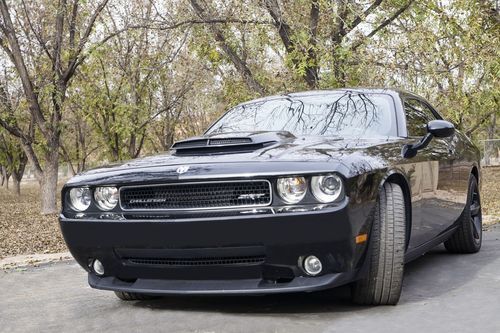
(361, 238)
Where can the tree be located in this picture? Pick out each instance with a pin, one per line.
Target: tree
(52, 47)
(13, 159)
(315, 39)
(78, 140)
(240, 64)
(128, 83)
(328, 35)
(446, 52)
(4, 176)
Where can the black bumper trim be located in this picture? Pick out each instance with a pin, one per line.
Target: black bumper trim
(221, 287)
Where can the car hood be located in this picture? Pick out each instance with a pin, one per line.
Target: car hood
(294, 154)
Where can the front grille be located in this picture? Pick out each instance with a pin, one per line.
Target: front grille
(206, 195)
(207, 261)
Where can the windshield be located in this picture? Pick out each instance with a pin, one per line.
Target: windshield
(330, 114)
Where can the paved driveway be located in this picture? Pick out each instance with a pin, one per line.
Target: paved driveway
(442, 293)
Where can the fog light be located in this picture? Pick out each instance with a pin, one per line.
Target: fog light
(98, 267)
(312, 265)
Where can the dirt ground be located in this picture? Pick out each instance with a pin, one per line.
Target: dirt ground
(490, 192)
(24, 231)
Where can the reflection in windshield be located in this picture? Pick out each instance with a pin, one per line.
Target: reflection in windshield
(329, 114)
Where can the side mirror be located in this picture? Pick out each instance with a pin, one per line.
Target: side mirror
(440, 128)
(435, 128)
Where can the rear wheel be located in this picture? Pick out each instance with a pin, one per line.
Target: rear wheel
(124, 296)
(468, 237)
(382, 285)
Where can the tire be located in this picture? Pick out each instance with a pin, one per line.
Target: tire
(469, 235)
(124, 296)
(383, 283)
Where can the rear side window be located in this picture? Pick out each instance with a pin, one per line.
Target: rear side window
(417, 116)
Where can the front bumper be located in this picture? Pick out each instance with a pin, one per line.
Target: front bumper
(143, 256)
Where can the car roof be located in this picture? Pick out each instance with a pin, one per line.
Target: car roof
(390, 91)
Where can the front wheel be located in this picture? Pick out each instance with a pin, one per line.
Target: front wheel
(382, 285)
(469, 235)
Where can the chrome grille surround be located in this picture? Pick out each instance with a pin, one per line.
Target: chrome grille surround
(207, 195)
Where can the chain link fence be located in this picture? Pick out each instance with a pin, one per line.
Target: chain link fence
(491, 152)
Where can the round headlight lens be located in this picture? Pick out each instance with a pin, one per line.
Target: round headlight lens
(80, 198)
(327, 188)
(106, 198)
(292, 189)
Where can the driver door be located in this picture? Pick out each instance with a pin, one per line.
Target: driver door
(433, 180)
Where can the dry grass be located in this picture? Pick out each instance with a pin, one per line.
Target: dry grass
(24, 231)
(490, 193)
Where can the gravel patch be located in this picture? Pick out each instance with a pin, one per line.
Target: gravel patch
(21, 261)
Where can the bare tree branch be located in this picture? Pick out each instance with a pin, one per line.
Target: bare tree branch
(240, 65)
(72, 24)
(75, 62)
(360, 18)
(283, 27)
(480, 122)
(18, 60)
(382, 25)
(285, 33)
(36, 33)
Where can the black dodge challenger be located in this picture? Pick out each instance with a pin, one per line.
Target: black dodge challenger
(290, 193)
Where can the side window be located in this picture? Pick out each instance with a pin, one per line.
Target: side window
(417, 116)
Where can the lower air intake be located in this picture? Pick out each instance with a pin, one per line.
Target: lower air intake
(209, 261)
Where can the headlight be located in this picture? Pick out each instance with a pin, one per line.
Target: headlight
(327, 188)
(292, 189)
(106, 198)
(80, 198)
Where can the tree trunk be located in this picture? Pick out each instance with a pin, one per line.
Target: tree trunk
(18, 173)
(48, 187)
(168, 140)
(71, 170)
(492, 128)
(2, 175)
(6, 177)
(16, 185)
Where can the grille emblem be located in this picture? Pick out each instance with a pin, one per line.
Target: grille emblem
(182, 169)
(251, 196)
(149, 200)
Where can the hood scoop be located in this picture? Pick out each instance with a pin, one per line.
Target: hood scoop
(231, 143)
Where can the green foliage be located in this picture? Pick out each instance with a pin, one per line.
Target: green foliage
(148, 86)
(12, 156)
